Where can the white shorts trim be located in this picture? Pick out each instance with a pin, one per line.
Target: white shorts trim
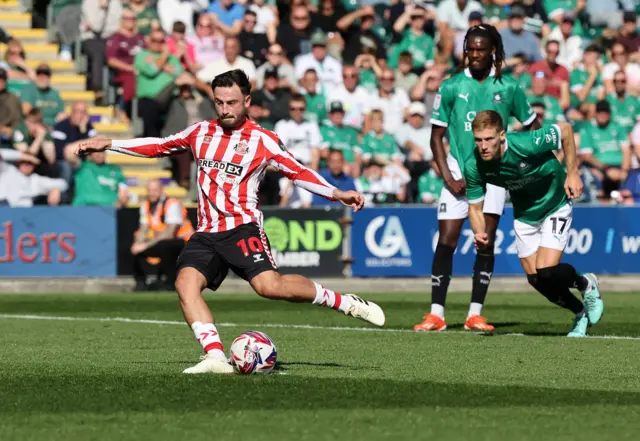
(553, 232)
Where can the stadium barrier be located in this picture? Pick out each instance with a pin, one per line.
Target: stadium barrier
(400, 242)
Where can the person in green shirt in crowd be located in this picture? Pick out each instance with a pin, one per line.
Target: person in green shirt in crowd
(541, 193)
(157, 73)
(338, 136)
(100, 184)
(369, 71)
(555, 10)
(520, 71)
(430, 185)
(625, 108)
(379, 146)
(32, 136)
(585, 82)
(605, 146)
(44, 97)
(147, 18)
(414, 41)
(316, 102)
(553, 111)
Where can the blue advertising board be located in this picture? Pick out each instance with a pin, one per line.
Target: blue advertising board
(57, 242)
(400, 242)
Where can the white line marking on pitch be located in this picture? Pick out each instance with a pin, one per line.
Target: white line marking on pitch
(277, 325)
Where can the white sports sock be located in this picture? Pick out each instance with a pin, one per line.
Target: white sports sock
(437, 310)
(331, 299)
(208, 336)
(474, 309)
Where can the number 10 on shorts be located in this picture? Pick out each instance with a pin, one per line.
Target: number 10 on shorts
(251, 245)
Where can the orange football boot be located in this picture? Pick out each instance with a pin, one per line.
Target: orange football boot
(431, 323)
(478, 323)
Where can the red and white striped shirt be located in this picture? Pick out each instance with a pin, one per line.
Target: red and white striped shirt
(231, 164)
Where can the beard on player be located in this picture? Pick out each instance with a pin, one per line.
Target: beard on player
(231, 93)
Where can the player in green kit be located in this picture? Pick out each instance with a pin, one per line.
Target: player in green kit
(541, 193)
(480, 86)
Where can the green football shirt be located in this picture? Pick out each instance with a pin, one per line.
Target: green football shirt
(383, 145)
(552, 111)
(461, 97)
(342, 138)
(577, 80)
(47, 100)
(528, 169)
(368, 80)
(420, 47)
(430, 183)
(22, 135)
(625, 112)
(145, 19)
(98, 184)
(316, 108)
(606, 143)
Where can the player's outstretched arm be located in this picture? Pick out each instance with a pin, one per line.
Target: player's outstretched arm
(349, 198)
(573, 183)
(476, 219)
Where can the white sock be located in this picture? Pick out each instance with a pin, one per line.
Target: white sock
(330, 299)
(437, 310)
(208, 336)
(474, 309)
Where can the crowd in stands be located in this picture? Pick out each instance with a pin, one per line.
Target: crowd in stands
(347, 85)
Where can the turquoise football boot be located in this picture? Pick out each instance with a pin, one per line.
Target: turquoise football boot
(593, 300)
(580, 326)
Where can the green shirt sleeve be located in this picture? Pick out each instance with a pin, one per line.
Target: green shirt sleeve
(395, 54)
(176, 63)
(365, 149)
(521, 107)
(548, 138)
(476, 186)
(586, 142)
(442, 105)
(144, 67)
(623, 138)
(28, 94)
(120, 179)
(423, 185)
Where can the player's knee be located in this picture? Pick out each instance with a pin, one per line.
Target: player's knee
(448, 240)
(268, 287)
(188, 282)
(546, 272)
(533, 280)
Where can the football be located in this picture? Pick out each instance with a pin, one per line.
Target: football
(253, 352)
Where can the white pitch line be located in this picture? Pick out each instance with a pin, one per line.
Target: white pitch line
(278, 325)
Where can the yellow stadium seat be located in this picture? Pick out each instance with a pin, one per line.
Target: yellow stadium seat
(147, 174)
(173, 192)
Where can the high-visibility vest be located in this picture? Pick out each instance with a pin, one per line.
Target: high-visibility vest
(156, 220)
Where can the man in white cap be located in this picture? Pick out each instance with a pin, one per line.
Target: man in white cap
(414, 136)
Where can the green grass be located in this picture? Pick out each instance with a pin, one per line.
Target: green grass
(89, 379)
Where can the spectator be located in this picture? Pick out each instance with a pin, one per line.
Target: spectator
(517, 40)
(208, 43)
(171, 11)
(605, 147)
(231, 60)
(497, 12)
(31, 136)
(354, 98)
(328, 68)
(539, 108)
(338, 136)
(427, 89)
(430, 185)
(10, 111)
(630, 193)
(227, 15)
(369, 70)
(414, 136)
(157, 72)
(334, 174)
(295, 36)
(273, 98)
(538, 94)
(44, 97)
(185, 109)
(100, 20)
(275, 60)
(453, 18)
(121, 50)
(415, 41)
(570, 44)
(607, 13)
(164, 229)
(66, 15)
(380, 147)
(301, 138)
(329, 13)
(181, 48)
(316, 102)
(100, 184)
(391, 100)
(254, 46)
(520, 71)
(66, 136)
(620, 61)
(376, 186)
(628, 34)
(405, 78)
(20, 186)
(258, 112)
(586, 82)
(359, 34)
(625, 108)
(266, 19)
(147, 16)
(557, 75)
(475, 19)
(19, 74)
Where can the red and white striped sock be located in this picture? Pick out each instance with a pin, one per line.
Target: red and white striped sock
(208, 336)
(331, 299)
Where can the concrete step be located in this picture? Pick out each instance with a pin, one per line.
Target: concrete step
(69, 97)
(10, 6)
(29, 36)
(139, 178)
(127, 160)
(172, 192)
(16, 20)
(73, 82)
(118, 130)
(40, 52)
(56, 66)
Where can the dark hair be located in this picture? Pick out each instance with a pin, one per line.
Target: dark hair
(546, 46)
(593, 48)
(490, 33)
(179, 27)
(406, 57)
(250, 12)
(297, 97)
(311, 70)
(231, 78)
(35, 113)
(539, 104)
(333, 150)
(487, 119)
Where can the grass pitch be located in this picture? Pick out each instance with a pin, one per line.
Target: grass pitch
(80, 376)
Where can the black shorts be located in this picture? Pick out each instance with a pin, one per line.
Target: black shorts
(245, 250)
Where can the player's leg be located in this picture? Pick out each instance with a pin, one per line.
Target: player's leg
(452, 211)
(296, 288)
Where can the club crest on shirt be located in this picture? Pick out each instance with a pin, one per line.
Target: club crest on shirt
(241, 148)
(523, 166)
(497, 98)
(208, 139)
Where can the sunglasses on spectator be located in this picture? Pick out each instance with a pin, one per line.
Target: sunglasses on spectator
(297, 109)
(301, 18)
(249, 21)
(417, 17)
(128, 17)
(615, 54)
(387, 78)
(621, 80)
(350, 76)
(158, 41)
(200, 25)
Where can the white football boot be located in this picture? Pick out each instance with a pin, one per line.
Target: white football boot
(365, 310)
(210, 364)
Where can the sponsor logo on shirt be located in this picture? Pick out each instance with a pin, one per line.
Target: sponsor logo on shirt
(228, 168)
(436, 101)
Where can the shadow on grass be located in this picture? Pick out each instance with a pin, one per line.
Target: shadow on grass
(180, 393)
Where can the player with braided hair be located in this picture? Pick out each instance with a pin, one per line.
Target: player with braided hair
(477, 86)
